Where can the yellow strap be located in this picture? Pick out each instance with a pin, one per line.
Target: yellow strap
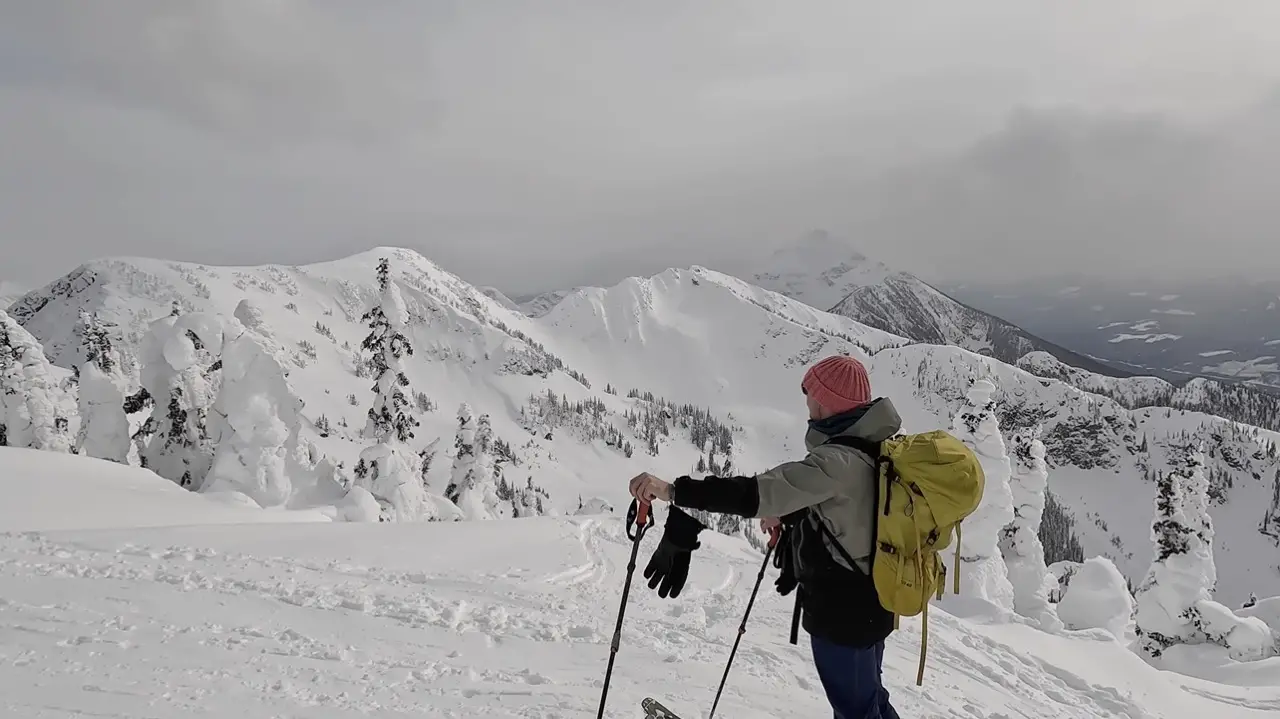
(924, 643)
(957, 567)
(895, 622)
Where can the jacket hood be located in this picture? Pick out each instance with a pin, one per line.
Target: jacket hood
(874, 422)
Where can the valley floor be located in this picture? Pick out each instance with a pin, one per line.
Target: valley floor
(496, 619)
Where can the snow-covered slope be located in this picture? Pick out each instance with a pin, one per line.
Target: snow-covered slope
(498, 296)
(10, 292)
(540, 304)
(826, 273)
(656, 372)
(201, 618)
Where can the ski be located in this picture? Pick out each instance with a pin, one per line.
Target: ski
(654, 710)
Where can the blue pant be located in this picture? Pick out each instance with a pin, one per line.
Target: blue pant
(851, 678)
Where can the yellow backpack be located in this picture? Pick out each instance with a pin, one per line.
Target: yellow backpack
(928, 484)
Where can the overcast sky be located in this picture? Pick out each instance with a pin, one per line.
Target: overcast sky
(537, 144)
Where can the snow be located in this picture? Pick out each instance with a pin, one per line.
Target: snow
(262, 414)
(1148, 338)
(1097, 598)
(1020, 542)
(983, 574)
(31, 401)
(1256, 367)
(135, 598)
(44, 491)
(104, 428)
(690, 336)
(1174, 311)
(1215, 353)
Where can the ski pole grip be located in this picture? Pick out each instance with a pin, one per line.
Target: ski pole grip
(642, 513)
(773, 536)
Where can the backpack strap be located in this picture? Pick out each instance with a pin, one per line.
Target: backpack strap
(866, 446)
(872, 450)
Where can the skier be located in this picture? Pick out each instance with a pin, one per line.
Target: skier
(834, 485)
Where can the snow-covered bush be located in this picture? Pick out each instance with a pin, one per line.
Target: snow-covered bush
(983, 573)
(359, 505)
(104, 427)
(593, 506)
(1245, 638)
(1020, 541)
(1097, 597)
(262, 415)
(1268, 610)
(177, 367)
(1060, 574)
(33, 409)
(1181, 570)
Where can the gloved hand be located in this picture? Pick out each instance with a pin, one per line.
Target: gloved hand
(668, 568)
(784, 560)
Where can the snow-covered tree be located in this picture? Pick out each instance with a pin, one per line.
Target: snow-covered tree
(1020, 541)
(1188, 463)
(391, 415)
(386, 469)
(983, 573)
(1097, 598)
(33, 408)
(1179, 576)
(176, 372)
(472, 485)
(104, 427)
(261, 411)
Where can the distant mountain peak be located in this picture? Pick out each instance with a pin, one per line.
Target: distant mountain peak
(821, 269)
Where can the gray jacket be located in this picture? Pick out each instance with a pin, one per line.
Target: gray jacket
(838, 482)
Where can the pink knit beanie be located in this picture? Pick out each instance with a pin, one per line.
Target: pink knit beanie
(838, 384)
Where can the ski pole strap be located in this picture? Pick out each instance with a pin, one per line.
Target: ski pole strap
(795, 617)
(639, 519)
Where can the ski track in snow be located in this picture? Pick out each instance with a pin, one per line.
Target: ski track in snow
(223, 622)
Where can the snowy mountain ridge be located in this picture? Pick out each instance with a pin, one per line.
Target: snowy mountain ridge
(688, 367)
(824, 272)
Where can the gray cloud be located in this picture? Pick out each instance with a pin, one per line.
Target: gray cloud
(531, 145)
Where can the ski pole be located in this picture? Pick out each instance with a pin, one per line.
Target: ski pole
(742, 628)
(642, 519)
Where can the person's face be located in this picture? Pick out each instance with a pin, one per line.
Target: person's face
(815, 410)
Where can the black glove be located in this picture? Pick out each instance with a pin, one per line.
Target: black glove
(669, 564)
(784, 560)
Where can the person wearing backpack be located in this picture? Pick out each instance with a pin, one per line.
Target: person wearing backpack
(826, 505)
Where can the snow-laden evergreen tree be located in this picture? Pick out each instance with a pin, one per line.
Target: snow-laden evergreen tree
(391, 416)
(176, 372)
(473, 486)
(104, 427)
(464, 454)
(983, 573)
(387, 469)
(1020, 542)
(33, 407)
(1188, 462)
(262, 414)
(1179, 576)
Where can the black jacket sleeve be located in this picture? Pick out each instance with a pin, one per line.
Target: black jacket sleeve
(723, 495)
